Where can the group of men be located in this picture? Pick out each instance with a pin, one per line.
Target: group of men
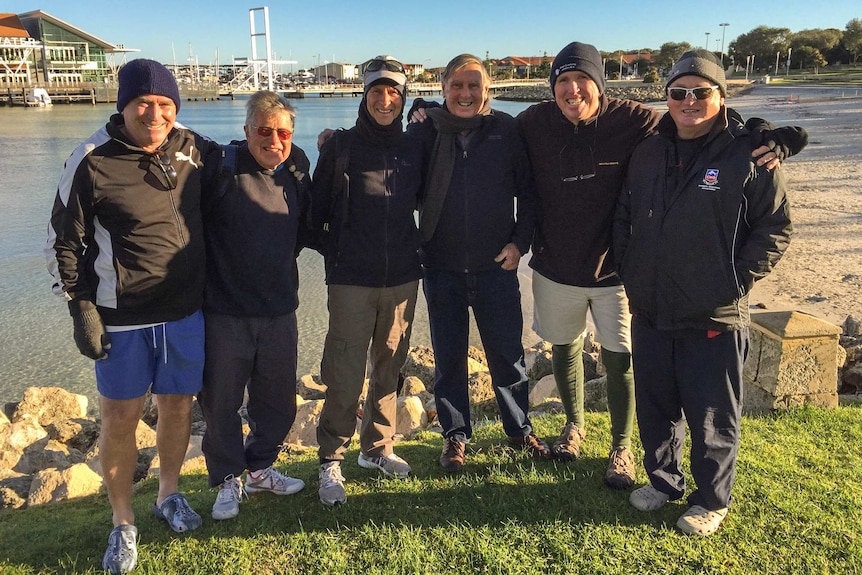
(177, 257)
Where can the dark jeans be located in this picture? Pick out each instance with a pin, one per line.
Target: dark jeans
(496, 301)
(258, 354)
(685, 376)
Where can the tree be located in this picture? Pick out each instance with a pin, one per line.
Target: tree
(651, 76)
(809, 57)
(852, 39)
(670, 53)
(822, 39)
(762, 43)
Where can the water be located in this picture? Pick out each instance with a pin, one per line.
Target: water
(36, 335)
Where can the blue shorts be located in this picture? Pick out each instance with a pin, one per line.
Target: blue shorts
(166, 359)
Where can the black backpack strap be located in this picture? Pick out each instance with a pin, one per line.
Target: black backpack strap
(226, 168)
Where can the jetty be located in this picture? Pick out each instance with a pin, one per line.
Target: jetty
(96, 93)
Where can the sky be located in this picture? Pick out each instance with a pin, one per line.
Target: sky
(426, 33)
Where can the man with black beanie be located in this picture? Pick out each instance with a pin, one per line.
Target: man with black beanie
(579, 146)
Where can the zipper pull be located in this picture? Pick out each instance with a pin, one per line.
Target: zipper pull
(649, 214)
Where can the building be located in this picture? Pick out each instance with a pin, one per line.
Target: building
(340, 72)
(37, 48)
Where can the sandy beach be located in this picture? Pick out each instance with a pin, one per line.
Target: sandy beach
(821, 273)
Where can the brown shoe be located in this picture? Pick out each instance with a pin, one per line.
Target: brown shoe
(452, 458)
(621, 468)
(532, 445)
(567, 447)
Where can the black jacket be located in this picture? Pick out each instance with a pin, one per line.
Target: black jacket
(690, 253)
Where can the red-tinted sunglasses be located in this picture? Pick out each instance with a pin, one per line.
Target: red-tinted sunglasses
(266, 132)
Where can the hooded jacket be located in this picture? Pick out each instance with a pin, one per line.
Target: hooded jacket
(690, 253)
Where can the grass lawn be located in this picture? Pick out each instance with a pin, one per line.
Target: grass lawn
(797, 510)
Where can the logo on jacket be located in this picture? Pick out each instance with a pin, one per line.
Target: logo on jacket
(181, 157)
(710, 180)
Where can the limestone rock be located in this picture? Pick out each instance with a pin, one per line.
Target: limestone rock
(304, 430)
(480, 388)
(58, 484)
(596, 394)
(9, 499)
(412, 386)
(14, 488)
(47, 453)
(538, 361)
(145, 436)
(50, 405)
(544, 390)
(410, 415)
(78, 433)
(420, 363)
(310, 387)
(192, 462)
(3, 419)
(852, 327)
(18, 436)
(478, 355)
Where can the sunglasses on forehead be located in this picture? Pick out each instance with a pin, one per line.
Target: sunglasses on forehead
(391, 65)
(701, 93)
(266, 132)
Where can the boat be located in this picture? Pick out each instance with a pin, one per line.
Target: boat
(37, 97)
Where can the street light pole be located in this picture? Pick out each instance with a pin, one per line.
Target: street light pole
(706, 46)
(724, 26)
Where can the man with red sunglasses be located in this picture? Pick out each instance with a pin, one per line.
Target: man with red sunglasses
(253, 226)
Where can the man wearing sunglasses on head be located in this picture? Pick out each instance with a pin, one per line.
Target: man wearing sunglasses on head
(698, 223)
(579, 146)
(254, 202)
(126, 248)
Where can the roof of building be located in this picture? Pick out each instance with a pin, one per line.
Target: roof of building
(41, 15)
(11, 27)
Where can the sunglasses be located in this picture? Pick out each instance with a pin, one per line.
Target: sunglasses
(168, 170)
(266, 132)
(701, 93)
(391, 65)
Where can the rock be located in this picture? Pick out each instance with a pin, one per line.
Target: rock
(538, 362)
(14, 488)
(410, 415)
(50, 405)
(851, 380)
(45, 454)
(480, 388)
(4, 420)
(78, 433)
(430, 409)
(16, 437)
(412, 386)
(544, 390)
(420, 363)
(51, 485)
(310, 387)
(10, 500)
(852, 327)
(596, 394)
(478, 355)
(145, 436)
(474, 366)
(304, 430)
(150, 414)
(193, 461)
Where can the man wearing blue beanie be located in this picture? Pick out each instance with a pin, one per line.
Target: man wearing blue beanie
(126, 249)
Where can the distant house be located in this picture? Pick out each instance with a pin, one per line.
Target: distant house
(519, 66)
(36, 47)
(337, 71)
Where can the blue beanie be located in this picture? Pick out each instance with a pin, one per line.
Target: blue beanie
(141, 77)
(582, 57)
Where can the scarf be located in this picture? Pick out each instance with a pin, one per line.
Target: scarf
(443, 161)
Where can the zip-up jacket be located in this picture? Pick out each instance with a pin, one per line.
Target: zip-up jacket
(123, 235)
(579, 170)
(252, 226)
(368, 209)
(689, 254)
(480, 214)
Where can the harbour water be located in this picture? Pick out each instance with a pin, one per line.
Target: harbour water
(36, 347)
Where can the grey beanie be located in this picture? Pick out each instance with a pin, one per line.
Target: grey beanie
(701, 63)
(141, 77)
(582, 57)
(385, 74)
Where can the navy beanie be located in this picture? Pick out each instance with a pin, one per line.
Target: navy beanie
(140, 77)
(582, 57)
(701, 63)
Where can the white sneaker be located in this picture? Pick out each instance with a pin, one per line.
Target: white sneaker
(391, 465)
(230, 493)
(647, 498)
(331, 491)
(701, 521)
(270, 479)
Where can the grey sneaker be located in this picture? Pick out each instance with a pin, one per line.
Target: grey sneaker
(270, 479)
(227, 501)
(621, 468)
(391, 465)
(648, 498)
(122, 553)
(175, 510)
(331, 491)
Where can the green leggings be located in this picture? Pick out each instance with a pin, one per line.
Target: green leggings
(569, 374)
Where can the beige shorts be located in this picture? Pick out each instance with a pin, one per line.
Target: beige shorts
(560, 313)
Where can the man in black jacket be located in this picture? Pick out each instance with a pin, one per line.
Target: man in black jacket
(698, 223)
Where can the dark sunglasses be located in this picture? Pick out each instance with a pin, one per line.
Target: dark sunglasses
(266, 132)
(391, 65)
(701, 93)
(168, 170)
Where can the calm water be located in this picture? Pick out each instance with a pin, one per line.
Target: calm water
(36, 335)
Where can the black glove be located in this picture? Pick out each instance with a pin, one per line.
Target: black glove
(419, 103)
(90, 335)
(785, 141)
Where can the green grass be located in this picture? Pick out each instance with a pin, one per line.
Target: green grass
(797, 510)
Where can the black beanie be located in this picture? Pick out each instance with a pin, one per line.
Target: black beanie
(701, 63)
(140, 77)
(578, 56)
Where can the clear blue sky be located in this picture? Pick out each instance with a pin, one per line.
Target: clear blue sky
(428, 33)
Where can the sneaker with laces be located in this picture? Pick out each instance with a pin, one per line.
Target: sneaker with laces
(175, 510)
(227, 501)
(122, 553)
(453, 456)
(537, 448)
(391, 465)
(272, 480)
(621, 468)
(701, 521)
(567, 447)
(331, 491)
(648, 498)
